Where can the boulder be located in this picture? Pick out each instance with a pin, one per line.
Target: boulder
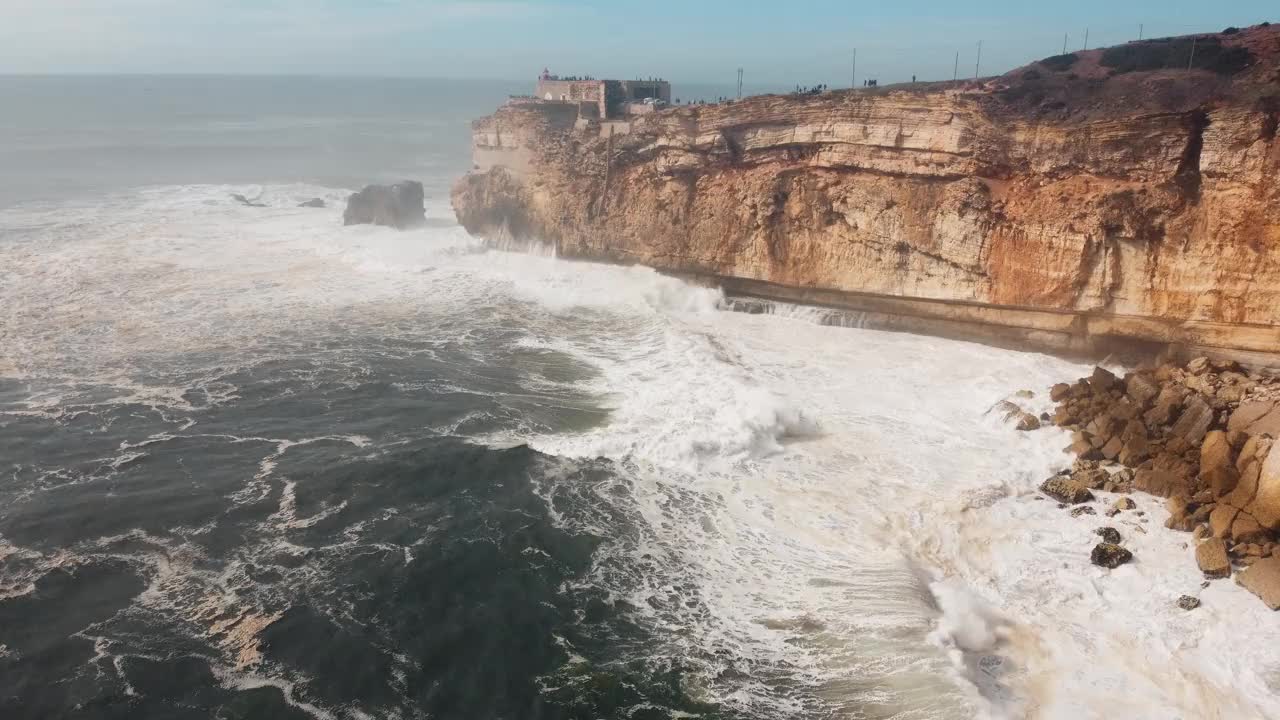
(1263, 579)
(1059, 392)
(1217, 465)
(1063, 489)
(1221, 519)
(1194, 422)
(1027, 422)
(1256, 417)
(1109, 555)
(1161, 482)
(1082, 446)
(399, 206)
(1180, 517)
(1108, 534)
(1211, 556)
(1103, 380)
(1246, 488)
(1112, 449)
(1186, 602)
(1142, 389)
(1255, 447)
(1103, 427)
(1093, 478)
(1236, 439)
(1082, 510)
(312, 203)
(1198, 366)
(1124, 503)
(1245, 529)
(1136, 449)
(1265, 507)
(1166, 407)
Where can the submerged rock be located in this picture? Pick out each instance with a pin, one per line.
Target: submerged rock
(1109, 555)
(312, 203)
(1124, 503)
(399, 206)
(246, 201)
(1186, 602)
(1108, 534)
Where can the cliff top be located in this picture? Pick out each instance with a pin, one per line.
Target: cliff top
(1173, 74)
(1159, 75)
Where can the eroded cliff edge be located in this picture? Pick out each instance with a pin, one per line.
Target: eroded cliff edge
(1065, 203)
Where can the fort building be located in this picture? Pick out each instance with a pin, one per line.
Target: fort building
(604, 99)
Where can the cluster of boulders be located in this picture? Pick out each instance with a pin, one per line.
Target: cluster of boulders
(1202, 436)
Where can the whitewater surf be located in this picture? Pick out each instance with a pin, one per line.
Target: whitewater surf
(264, 463)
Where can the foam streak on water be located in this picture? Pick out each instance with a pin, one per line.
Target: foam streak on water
(807, 521)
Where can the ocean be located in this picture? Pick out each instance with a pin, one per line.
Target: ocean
(257, 464)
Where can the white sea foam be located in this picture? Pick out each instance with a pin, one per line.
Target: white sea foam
(831, 513)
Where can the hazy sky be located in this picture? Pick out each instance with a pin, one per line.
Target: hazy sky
(776, 41)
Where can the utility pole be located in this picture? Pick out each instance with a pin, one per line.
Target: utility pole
(853, 79)
(955, 74)
(977, 66)
(1086, 38)
(1140, 29)
(1193, 54)
(1064, 43)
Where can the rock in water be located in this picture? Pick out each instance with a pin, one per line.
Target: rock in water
(1108, 534)
(1186, 602)
(1109, 555)
(246, 201)
(1065, 490)
(312, 203)
(398, 206)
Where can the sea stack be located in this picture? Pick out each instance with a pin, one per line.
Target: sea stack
(399, 206)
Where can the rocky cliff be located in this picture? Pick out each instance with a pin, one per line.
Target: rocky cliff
(1113, 193)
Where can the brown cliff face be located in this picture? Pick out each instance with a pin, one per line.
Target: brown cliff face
(1064, 203)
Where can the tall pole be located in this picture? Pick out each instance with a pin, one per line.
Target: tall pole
(1086, 38)
(977, 66)
(739, 83)
(1193, 54)
(1064, 43)
(853, 78)
(955, 74)
(1140, 29)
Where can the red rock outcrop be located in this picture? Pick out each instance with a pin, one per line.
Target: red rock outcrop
(1058, 204)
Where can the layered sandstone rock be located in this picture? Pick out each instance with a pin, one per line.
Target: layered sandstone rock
(1061, 205)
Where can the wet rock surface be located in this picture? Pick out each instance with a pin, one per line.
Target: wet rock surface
(1064, 489)
(1109, 555)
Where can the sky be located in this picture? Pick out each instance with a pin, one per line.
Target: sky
(776, 42)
